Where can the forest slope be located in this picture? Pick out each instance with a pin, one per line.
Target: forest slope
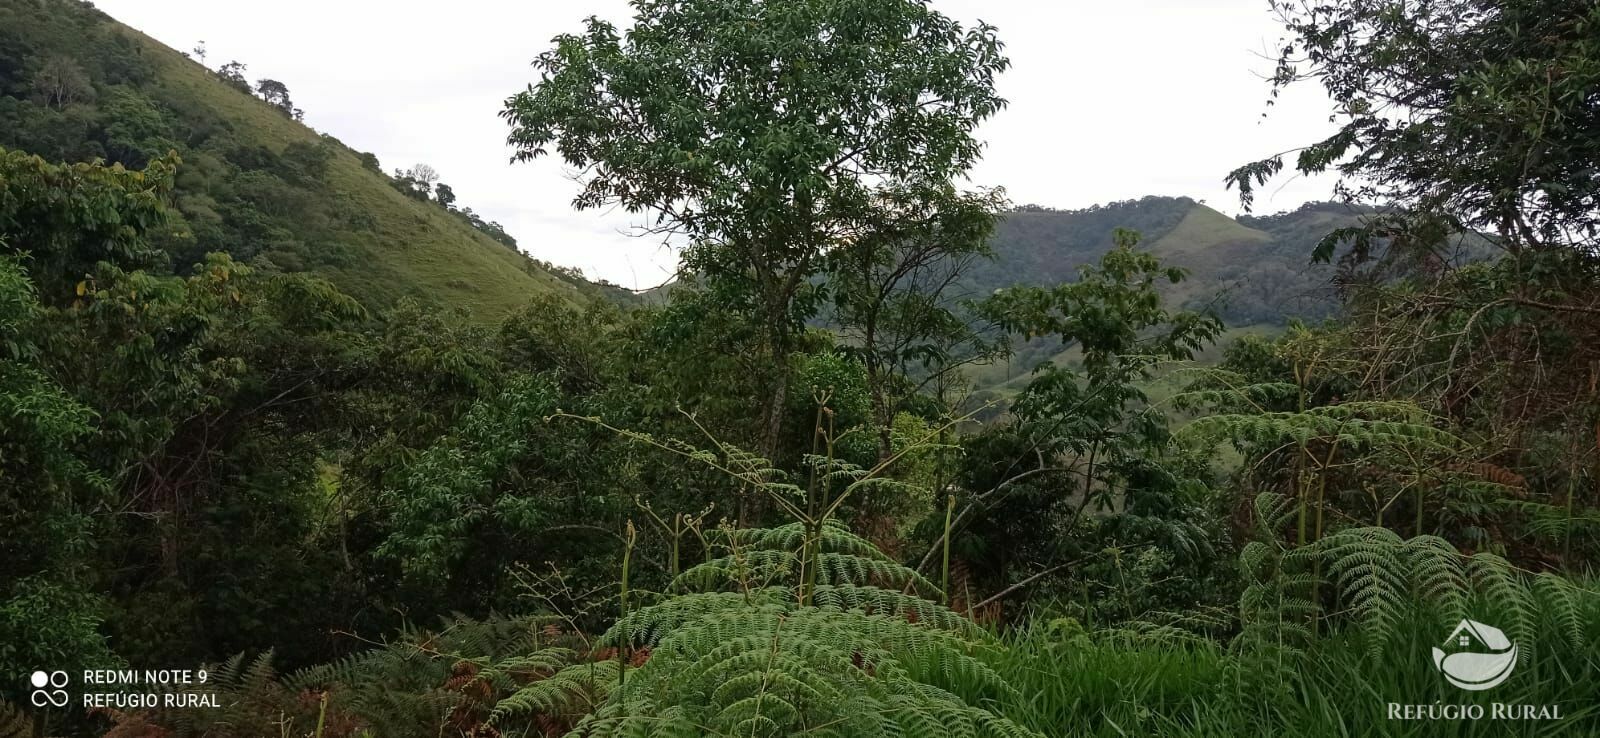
(76, 85)
(1256, 272)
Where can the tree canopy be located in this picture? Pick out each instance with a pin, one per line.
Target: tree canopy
(1476, 114)
(762, 134)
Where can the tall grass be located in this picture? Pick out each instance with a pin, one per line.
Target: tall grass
(1122, 683)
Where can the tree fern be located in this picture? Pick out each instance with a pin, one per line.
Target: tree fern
(737, 653)
(803, 628)
(1362, 424)
(1275, 605)
(1383, 578)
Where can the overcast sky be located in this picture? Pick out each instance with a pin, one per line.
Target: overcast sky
(1109, 100)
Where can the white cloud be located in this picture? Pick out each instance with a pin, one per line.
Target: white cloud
(1108, 100)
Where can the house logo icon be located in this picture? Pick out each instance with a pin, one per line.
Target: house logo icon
(1482, 657)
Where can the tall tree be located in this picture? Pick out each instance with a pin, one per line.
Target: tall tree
(760, 134)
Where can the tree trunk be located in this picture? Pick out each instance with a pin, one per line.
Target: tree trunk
(770, 425)
(778, 382)
(772, 414)
(882, 411)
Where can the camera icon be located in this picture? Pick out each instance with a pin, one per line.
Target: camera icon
(48, 689)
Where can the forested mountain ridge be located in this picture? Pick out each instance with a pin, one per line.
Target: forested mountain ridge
(76, 85)
(1252, 270)
(1255, 272)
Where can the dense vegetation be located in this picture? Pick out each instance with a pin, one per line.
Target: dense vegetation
(766, 506)
(77, 86)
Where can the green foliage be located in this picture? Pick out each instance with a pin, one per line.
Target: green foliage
(892, 290)
(1357, 425)
(1085, 478)
(762, 141)
(1386, 588)
(1379, 574)
(44, 620)
(249, 694)
(1105, 311)
(1372, 418)
(1498, 136)
(1250, 271)
(76, 86)
(136, 130)
(752, 658)
(49, 612)
(491, 486)
(1116, 683)
(68, 217)
(235, 413)
(440, 502)
(762, 556)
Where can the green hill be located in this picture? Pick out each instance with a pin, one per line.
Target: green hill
(76, 85)
(1254, 271)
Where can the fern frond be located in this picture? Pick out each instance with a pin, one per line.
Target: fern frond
(1561, 601)
(764, 556)
(856, 659)
(576, 689)
(1506, 588)
(873, 600)
(1380, 575)
(1368, 567)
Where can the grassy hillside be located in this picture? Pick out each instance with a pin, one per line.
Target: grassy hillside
(76, 85)
(1255, 273)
